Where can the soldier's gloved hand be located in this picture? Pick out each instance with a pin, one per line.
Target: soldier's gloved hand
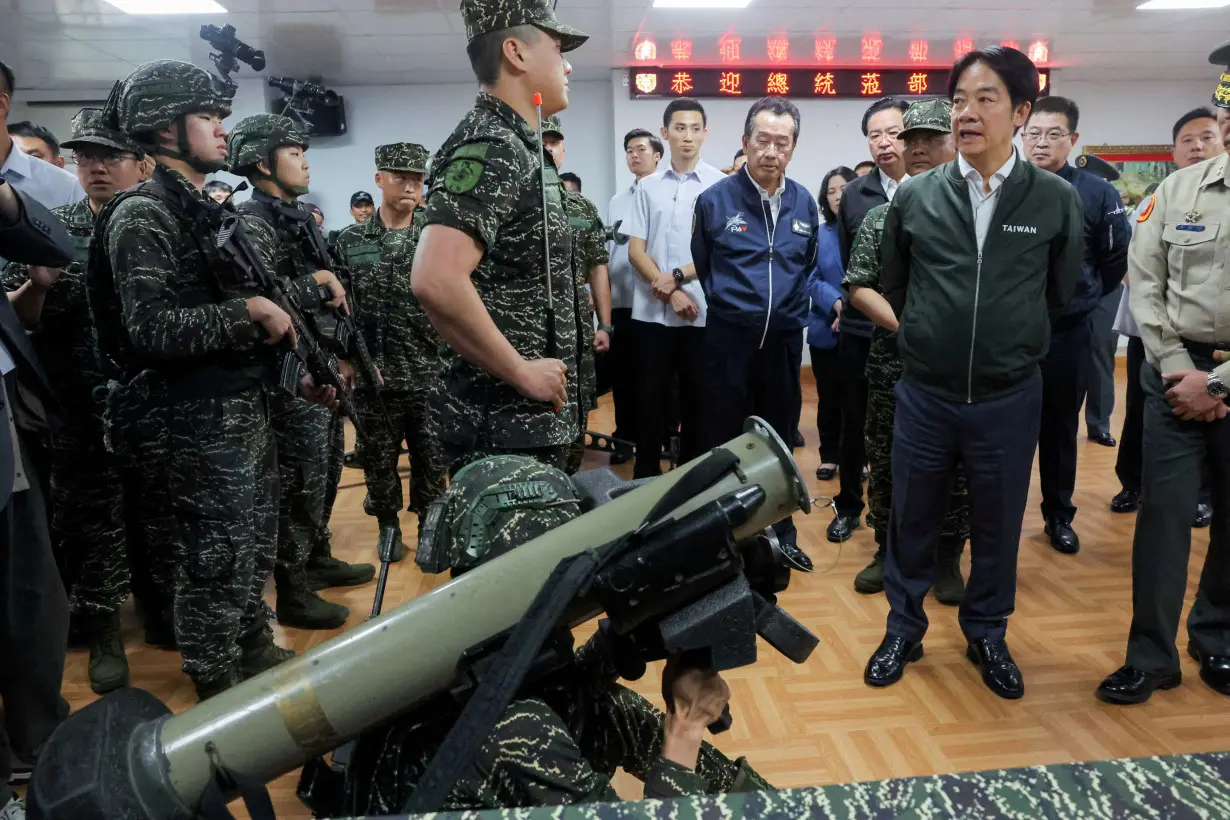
(327, 279)
(543, 380)
(273, 320)
(44, 277)
(694, 699)
(602, 341)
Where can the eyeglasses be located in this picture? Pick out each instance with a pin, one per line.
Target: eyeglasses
(1053, 135)
(109, 160)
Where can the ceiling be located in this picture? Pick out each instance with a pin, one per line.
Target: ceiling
(69, 45)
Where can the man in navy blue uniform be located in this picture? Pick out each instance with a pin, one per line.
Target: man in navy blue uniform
(1049, 137)
(754, 245)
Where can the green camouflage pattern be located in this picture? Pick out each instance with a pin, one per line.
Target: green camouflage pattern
(87, 488)
(402, 156)
(188, 334)
(928, 115)
(551, 125)
(488, 183)
(485, 16)
(322, 543)
(588, 252)
(254, 138)
(157, 93)
(497, 504)
(1147, 788)
(91, 127)
(406, 349)
(884, 369)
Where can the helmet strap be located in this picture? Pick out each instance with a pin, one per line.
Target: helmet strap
(184, 150)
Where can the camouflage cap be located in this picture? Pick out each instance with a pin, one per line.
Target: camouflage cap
(158, 93)
(493, 506)
(254, 138)
(550, 125)
(485, 16)
(91, 127)
(1221, 56)
(401, 156)
(928, 115)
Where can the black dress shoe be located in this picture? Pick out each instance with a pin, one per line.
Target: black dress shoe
(1105, 439)
(1063, 538)
(1127, 501)
(1214, 670)
(999, 670)
(1131, 685)
(826, 473)
(843, 527)
(887, 664)
(1203, 517)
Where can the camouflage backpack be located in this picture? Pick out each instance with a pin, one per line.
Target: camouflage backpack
(494, 505)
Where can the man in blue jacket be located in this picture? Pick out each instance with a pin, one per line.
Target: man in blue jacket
(754, 245)
(1049, 137)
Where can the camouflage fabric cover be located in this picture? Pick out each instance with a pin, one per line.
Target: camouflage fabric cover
(159, 92)
(485, 16)
(1148, 788)
(551, 125)
(401, 156)
(91, 127)
(884, 369)
(487, 183)
(254, 138)
(588, 252)
(928, 115)
(497, 504)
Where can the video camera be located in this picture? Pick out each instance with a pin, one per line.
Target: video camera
(230, 52)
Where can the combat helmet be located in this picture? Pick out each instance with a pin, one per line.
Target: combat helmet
(95, 127)
(493, 506)
(256, 139)
(161, 93)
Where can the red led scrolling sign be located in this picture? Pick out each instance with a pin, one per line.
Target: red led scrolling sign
(820, 82)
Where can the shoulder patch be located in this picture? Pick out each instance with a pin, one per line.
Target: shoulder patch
(471, 150)
(1148, 211)
(462, 175)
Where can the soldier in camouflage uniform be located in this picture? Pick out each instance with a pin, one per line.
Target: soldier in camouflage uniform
(405, 346)
(589, 271)
(88, 497)
(561, 742)
(927, 134)
(270, 152)
(195, 345)
(511, 378)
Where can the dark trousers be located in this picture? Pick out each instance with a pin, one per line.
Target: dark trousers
(1103, 343)
(1175, 452)
(1065, 376)
(825, 369)
(852, 385)
(33, 629)
(662, 355)
(742, 376)
(994, 441)
(1128, 463)
(623, 370)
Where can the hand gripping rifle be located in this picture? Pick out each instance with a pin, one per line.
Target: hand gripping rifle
(309, 355)
(661, 565)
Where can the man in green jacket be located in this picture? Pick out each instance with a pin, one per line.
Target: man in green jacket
(976, 255)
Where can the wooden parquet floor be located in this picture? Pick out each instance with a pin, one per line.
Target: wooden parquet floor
(817, 723)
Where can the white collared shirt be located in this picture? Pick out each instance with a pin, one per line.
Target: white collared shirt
(889, 184)
(983, 202)
(49, 185)
(622, 274)
(662, 216)
(775, 201)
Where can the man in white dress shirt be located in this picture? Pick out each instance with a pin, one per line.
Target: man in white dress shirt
(50, 185)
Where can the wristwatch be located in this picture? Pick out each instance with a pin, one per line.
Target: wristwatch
(1216, 387)
(607, 329)
(678, 274)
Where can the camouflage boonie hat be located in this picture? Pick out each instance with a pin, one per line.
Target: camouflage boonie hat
(928, 115)
(158, 93)
(550, 125)
(90, 127)
(485, 16)
(1221, 57)
(401, 156)
(494, 505)
(254, 138)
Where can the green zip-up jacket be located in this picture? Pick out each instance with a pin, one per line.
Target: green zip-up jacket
(976, 323)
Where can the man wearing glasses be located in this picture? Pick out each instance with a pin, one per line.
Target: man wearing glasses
(1050, 135)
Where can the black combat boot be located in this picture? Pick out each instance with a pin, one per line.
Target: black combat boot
(108, 668)
(206, 688)
(260, 653)
(871, 579)
(949, 586)
(324, 571)
(300, 607)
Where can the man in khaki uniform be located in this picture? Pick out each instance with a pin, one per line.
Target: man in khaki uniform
(1180, 298)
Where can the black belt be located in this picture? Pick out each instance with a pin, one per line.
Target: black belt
(1205, 349)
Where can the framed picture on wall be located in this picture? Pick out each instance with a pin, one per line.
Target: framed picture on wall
(1140, 167)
